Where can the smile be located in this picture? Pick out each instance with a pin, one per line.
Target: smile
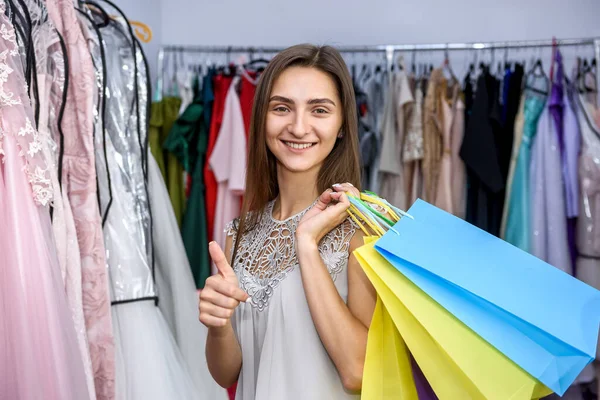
(298, 146)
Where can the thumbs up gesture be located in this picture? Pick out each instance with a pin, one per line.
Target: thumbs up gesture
(221, 293)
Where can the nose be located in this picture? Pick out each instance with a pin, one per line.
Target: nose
(299, 127)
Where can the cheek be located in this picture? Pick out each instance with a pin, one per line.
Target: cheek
(272, 131)
(328, 132)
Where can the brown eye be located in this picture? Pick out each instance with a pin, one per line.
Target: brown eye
(281, 109)
(321, 111)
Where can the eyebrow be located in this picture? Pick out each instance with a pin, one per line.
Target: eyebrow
(286, 100)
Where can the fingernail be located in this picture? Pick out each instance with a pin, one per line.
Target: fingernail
(248, 300)
(211, 242)
(336, 185)
(350, 184)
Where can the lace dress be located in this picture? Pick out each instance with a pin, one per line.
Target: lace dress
(39, 356)
(79, 181)
(283, 356)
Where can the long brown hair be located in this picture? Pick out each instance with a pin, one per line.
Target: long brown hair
(341, 165)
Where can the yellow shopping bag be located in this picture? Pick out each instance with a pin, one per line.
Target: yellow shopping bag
(387, 372)
(457, 363)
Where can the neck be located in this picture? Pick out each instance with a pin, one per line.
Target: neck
(297, 191)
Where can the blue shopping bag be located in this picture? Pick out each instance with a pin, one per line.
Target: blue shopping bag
(541, 318)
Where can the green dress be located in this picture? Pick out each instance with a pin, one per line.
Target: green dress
(169, 108)
(154, 137)
(188, 142)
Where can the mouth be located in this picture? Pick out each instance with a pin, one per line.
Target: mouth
(298, 146)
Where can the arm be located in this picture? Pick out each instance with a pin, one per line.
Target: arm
(343, 329)
(223, 352)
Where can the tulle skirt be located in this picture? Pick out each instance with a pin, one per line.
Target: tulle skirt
(148, 362)
(178, 298)
(39, 357)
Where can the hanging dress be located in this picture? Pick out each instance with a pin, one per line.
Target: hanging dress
(452, 116)
(588, 223)
(548, 212)
(480, 152)
(191, 131)
(51, 84)
(38, 359)
(518, 205)
(433, 125)
(178, 296)
(149, 363)
(79, 178)
(412, 151)
(391, 174)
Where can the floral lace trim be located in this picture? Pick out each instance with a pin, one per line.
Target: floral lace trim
(28, 139)
(267, 254)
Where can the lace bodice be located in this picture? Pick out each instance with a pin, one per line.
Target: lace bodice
(16, 115)
(267, 253)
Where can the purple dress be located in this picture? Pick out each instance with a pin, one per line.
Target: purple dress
(549, 219)
(567, 130)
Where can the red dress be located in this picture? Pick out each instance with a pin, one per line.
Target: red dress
(221, 86)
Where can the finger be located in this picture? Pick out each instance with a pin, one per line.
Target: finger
(343, 203)
(218, 299)
(215, 311)
(324, 199)
(211, 321)
(230, 290)
(220, 260)
(346, 187)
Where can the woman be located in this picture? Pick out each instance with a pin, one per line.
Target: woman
(288, 317)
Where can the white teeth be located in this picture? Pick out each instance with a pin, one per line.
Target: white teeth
(298, 145)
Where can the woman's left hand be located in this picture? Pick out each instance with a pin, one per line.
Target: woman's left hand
(326, 214)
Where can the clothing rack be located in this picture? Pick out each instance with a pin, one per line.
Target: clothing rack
(390, 49)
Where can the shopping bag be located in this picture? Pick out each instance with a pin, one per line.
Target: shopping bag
(541, 318)
(457, 363)
(387, 370)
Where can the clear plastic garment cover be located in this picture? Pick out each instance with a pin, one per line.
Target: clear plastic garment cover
(128, 223)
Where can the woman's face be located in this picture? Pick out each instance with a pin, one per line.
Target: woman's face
(304, 118)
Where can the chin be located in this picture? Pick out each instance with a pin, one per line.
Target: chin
(299, 167)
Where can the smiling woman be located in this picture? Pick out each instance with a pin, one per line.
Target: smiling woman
(289, 311)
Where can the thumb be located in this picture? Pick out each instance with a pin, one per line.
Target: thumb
(220, 260)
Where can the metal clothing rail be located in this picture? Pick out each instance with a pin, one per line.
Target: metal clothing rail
(390, 49)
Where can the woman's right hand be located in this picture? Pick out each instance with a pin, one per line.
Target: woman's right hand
(221, 293)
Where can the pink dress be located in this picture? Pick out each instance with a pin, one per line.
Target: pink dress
(50, 70)
(79, 178)
(451, 188)
(443, 195)
(228, 162)
(38, 359)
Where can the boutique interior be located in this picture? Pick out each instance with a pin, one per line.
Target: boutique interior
(123, 140)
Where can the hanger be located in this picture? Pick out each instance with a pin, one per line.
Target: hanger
(400, 62)
(537, 71)
(257, 65)
(583, 71)
(98, 11)
(446, 65)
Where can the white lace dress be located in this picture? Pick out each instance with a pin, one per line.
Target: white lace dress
(283, 356)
